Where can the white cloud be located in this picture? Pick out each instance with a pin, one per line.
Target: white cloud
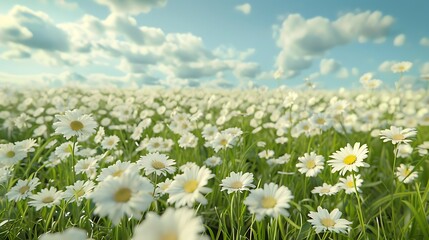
(146, 55)
(302, 41)
(132, 6)
(399, 40)
(386, 66)
(244, 8)
(424, 70)
(328, 66)
(424, 41)
(343, 73)
(32, 29)
(355, 71)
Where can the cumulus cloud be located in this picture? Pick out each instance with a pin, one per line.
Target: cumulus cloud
(144, 54)
(386, 66)
(302, 41)
(132, 6)
(424, 41)
(26, 27)
(244, 8)
(424, 70)
(328, 66)
(399, 40)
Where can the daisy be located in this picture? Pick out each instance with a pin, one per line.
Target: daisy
(271, 200)
(117, 170)
(188, 140)
(266, 154)
(323, 221)
(161, 188)
(349, 185)
(99, 135)
(213, 161)
(69, 234)
(110, 142)
(404, 150)
(22, 189)
(349, 158)
(222, 141)
(128, 195)
(209, 132)
(189, 187)
(397, 134)
(237, 182)
(157, 163)
(179, 224)
(88, 166)
(325, 189)
(11, 154)
(188, 165)
(78, 191)
(405, 173)
(46, 198)
(310, 164)
(65, 150)
(401, 67)
(423, 148)
(74, 123)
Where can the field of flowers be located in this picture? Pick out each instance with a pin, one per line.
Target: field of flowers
(214, 164)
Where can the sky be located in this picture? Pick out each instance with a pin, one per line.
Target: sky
(216, 44)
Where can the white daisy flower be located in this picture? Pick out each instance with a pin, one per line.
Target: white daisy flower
(88, 166)
(237, 182)
(128, 195)
(213, 161)
(423, 148)
(404, 150)
(266, 154)
(117, 170)
(271, 200)
(177, 224)
(78, 191)
(310, 164)
(46, 198)
(401, 67)
(74, 123)
(405, 173)
(349, 158)
(99, 135)
(110, 142)
(157, 163)
(22, 189)
(222, 141)
(323, 221)
(397, 134)
(69, 234)
(189, 187)
(325, 189)
(161, 188)
(348, 184)
(65, 150)
(11, 154)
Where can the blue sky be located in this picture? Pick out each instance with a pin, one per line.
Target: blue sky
(221, 43)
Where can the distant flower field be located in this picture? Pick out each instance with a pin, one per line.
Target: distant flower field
(162, 164)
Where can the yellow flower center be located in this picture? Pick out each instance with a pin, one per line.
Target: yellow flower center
(169, 236)
(327, 222)
(236, 184)
(158, 164)
(310, 164)
(320, 121)
(398, 137)
(123, 195)
(350, 184)
(223, 142)
(306, 127)
(24, 189)
(324, 190)
(79, 193)
(111, 142)
(47, 199)
(118, 173)
(190, 186)
(407, 172)
(269, 202)
(350, 159)
(156, 145)
(10, 154)
(76, 125)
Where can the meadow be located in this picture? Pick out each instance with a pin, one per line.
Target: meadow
(173, 164)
